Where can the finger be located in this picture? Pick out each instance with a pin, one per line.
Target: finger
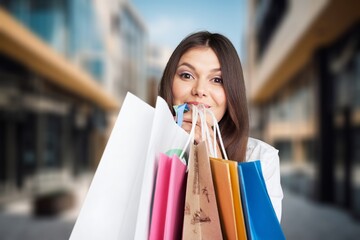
(209, 119)
(198, 135)
(186, 126)
(197, 132)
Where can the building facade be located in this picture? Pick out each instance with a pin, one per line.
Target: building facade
(157, 57)
(303, 67)
(63, 75)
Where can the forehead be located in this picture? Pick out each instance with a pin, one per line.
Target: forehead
(201, 57)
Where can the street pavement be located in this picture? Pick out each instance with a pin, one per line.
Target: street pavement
(302, 219)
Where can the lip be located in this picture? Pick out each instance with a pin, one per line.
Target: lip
(198, 103)
(187, 120)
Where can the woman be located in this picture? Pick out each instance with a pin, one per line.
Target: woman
(205, 69)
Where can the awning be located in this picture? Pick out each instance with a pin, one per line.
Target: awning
(21, 44)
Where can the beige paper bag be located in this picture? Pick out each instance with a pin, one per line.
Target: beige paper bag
(201, 217)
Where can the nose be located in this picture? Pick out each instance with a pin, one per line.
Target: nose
(199, 89)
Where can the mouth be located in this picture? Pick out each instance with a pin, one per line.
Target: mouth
(198, 104)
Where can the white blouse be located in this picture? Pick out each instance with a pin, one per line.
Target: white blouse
(270, 164)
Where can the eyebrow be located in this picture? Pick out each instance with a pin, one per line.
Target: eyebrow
(194, 69)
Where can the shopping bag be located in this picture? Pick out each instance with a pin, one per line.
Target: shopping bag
(260, 217)
(227, 190)
(224, 197)
(228, 198)
(201, 218)
(166, 137)
(169, 195)
(109, 210)
(118, 203)
(160, 198)
(239, 214)
(176, 200)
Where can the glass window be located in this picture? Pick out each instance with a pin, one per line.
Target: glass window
(285, 149)
(52, 145)
(47, 20)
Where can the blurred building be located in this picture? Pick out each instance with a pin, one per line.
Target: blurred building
(157, 57)
(65, 67)
(303, 63)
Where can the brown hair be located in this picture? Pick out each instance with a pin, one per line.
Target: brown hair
(234, 125)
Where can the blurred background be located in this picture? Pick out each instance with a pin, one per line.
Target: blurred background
(66, 65)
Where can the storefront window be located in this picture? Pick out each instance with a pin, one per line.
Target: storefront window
(52, 153)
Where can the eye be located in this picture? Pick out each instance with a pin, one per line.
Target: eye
(186, 75)
(218, 80)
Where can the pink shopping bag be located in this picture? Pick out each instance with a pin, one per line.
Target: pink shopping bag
(169, 195)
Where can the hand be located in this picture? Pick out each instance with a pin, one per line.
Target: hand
(187, 125)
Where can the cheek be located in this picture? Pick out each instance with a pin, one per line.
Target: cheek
(179, 91)
(219, 97)
(221, 102)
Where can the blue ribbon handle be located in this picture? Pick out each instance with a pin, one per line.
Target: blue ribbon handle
(180, 110)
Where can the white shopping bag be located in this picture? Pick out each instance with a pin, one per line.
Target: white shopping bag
(166, 137)
(110, 206)
(118, 203)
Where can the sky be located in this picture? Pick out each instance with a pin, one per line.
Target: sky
(169, 21)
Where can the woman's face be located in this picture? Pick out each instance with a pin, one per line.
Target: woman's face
(198, 80)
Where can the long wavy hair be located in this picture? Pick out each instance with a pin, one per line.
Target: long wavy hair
(234, 125)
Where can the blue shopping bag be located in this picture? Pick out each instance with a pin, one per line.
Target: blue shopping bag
(260, 218)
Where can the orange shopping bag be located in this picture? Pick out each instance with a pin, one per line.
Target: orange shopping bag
(227, 190)
(226, 182)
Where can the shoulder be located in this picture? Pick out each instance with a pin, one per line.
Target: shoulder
(267, 154)
(259, 150)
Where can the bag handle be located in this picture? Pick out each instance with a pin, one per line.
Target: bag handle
(205, 133)
(217, 131)
(200, 112)
(192, 131)
(179, 113)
